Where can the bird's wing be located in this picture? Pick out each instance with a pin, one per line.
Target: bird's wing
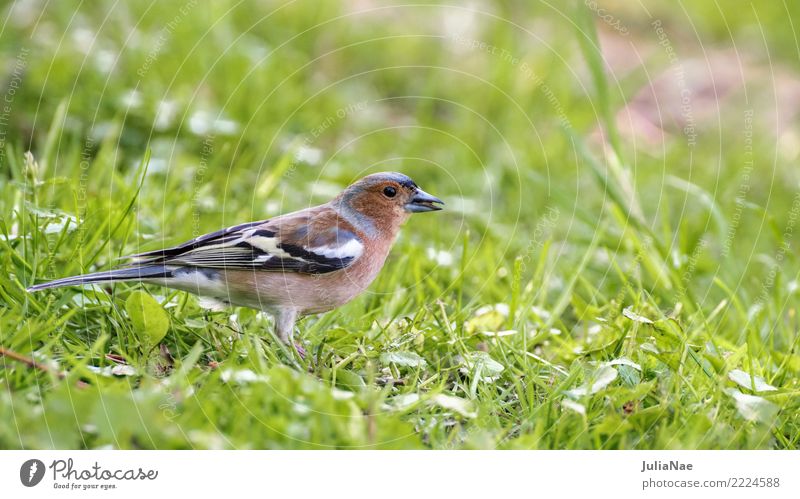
(315, 241)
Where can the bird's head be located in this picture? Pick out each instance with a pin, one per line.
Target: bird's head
(387, 199)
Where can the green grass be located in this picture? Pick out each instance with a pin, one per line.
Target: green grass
(568, 297)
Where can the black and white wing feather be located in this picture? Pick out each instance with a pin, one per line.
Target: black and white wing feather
(309, 244)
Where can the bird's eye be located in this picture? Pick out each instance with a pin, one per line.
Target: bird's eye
(389, 192)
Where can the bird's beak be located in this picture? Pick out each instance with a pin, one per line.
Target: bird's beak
(422, 201)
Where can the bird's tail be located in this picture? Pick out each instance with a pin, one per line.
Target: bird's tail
(125, 274)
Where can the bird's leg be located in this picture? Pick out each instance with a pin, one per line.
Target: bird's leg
(284, 328)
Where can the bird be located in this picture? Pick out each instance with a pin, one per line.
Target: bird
(302, 263)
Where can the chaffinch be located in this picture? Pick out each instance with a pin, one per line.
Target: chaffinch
(306, 262)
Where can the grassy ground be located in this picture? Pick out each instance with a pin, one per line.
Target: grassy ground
(638, 295)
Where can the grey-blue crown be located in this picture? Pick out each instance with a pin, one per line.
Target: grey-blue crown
(400, 178)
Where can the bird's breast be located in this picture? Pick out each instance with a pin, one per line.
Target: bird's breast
(307, 293)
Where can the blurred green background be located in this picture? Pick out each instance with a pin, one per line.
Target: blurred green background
(620, 181)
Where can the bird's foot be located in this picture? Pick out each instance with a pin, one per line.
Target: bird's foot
(300, 350)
